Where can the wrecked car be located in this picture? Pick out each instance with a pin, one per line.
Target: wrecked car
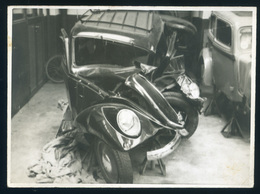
(114, 99)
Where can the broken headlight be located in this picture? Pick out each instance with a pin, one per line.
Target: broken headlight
(188, 87)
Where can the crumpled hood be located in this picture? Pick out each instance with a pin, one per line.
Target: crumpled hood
(158, 105)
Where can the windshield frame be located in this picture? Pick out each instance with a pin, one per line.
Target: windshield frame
(111, 38)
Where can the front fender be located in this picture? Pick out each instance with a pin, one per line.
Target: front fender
(97, 121)
(206, 67)
(244, 77)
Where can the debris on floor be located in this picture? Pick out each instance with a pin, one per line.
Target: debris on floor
(61, 162)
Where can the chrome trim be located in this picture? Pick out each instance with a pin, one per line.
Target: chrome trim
(180, 79)
(144, 92)
(134, 115)
(166, 150)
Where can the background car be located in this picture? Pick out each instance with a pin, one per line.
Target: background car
(225, 64)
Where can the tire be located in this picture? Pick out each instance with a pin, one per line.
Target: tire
(115, 166)
(53, 69)
(189, 114)
(200, 71)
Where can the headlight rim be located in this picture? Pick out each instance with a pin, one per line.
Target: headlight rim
(136, 124)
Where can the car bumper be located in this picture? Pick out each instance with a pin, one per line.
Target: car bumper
(166, 150)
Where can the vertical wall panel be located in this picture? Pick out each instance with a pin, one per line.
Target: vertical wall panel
(33, 78)
(35, 39)
(40, 52)
(20, 66)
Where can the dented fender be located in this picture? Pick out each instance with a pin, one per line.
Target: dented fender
(99, 120)
(206, 66)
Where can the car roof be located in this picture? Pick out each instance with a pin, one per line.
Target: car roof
(237, 18)
(143, 27)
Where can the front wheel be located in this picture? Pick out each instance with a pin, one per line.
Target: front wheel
(189, 114)
(115, 166)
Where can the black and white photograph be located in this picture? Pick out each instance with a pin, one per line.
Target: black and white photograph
(123, 96)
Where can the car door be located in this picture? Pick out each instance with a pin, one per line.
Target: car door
(81, 92)
(222, 55)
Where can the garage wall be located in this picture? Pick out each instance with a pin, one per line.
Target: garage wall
(34, 41)
(70, 17)
(54, 24)
(20, 66)
(201, 21)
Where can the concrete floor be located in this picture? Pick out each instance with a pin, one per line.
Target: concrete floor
(206, 159)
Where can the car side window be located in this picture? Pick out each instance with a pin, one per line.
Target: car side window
(223, 34)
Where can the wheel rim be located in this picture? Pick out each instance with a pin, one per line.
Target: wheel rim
(107, 163)
(54, 71)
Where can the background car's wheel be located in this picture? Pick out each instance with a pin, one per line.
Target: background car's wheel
(115, 166)
(200, 71)
(53, 69)
(189, 114)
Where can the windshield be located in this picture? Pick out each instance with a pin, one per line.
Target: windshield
(89, 51)
(246, 38)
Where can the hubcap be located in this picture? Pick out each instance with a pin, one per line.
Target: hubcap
(107, 163)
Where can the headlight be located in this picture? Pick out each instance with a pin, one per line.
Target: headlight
(194, 90)
(246, 38)
(128, 122)
(188, 87)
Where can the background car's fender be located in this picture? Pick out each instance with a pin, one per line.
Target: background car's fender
(206, 67)
(244, 77)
